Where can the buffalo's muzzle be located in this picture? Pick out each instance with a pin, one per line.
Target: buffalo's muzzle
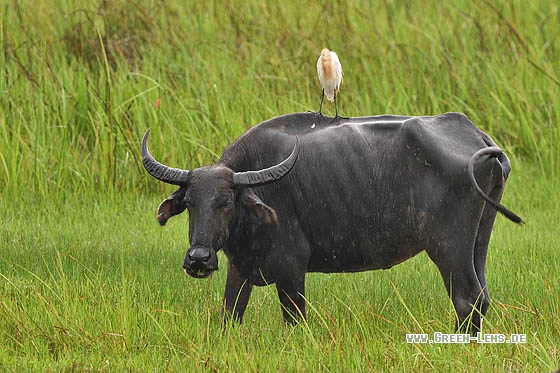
(200, 262)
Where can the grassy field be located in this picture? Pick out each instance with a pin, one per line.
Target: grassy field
(89, 281)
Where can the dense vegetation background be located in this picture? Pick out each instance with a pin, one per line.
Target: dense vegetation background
(88, 281)
(80, 79)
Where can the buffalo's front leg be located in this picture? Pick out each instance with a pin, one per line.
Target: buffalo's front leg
(291, 292)
(236, 296)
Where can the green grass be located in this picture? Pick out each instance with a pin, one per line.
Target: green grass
(96, 284)
(90, 282)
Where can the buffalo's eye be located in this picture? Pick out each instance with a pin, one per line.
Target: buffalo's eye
(188, 203)
(225, 204)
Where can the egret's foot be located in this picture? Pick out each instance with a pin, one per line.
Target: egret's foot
(337, 117)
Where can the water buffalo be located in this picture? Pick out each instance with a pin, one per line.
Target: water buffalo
(298, 194)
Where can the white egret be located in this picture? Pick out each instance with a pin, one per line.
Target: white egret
(329, 71)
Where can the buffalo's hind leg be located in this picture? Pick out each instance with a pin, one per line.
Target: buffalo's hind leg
(481, 246)
(455, 263)
(469, 300)
(236, 296)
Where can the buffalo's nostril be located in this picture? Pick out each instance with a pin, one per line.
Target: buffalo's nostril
(199, 255)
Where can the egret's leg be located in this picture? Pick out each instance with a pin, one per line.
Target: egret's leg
(336, 108)
(321, 107)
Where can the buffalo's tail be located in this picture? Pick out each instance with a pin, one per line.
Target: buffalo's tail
(493, 151)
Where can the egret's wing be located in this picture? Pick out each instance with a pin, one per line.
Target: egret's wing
(337, 68)
(319, 70)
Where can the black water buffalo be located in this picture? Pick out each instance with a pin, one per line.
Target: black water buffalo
(298, 194)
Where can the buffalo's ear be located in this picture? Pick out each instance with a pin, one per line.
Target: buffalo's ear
(171, 206)
(256, 207)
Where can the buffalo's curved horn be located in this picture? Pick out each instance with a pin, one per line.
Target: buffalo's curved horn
(161, 172)
(267, 175)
